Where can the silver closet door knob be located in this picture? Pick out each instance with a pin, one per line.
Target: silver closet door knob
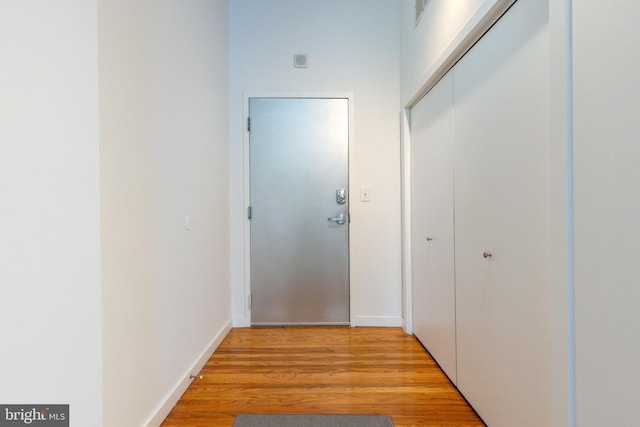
(487, 254)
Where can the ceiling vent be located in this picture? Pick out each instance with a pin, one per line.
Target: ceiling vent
(300, 61)
(420, 7)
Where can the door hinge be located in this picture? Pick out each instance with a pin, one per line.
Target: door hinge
(248, 124)
(249, 301)
(249, 212)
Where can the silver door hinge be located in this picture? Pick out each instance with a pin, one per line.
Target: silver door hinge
(249, 212)
(248, 124)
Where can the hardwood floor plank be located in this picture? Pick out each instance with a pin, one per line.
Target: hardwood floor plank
(337, 370)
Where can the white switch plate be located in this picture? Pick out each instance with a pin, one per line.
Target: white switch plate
(365, 194)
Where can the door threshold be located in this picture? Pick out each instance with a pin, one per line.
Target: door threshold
(286, 324)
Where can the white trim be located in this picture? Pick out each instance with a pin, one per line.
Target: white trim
(246, 200)
(170, 401)
(241, 322)
(571, 327)
(246, 319)
(486, 15)
(382, 321)
(407, 284)
(561, 185)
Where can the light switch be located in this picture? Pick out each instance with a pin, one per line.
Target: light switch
(365, 194)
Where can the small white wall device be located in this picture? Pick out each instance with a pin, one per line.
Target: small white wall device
(300, 61)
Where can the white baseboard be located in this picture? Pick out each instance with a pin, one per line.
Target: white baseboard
(387, 321)
(241, 322)
(165, 408)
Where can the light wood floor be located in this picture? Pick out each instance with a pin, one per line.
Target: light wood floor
(336, 370)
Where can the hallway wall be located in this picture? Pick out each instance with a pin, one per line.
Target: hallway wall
(607, 207)
(425, 43)
(50, 350)
(163, 69)
(353, 48)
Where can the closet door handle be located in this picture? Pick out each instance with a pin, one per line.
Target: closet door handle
(487, 254)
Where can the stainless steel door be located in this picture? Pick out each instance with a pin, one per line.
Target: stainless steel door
(299, 211)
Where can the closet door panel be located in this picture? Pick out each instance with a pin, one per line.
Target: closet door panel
(432, 224)
(502, 220)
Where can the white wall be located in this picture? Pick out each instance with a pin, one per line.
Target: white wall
(422, 45)
(560, 192)
(607, 207)
(443, 34)
(49, 215)
(353, 47)
(164, 157)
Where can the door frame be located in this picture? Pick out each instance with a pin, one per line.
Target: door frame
(247, 184)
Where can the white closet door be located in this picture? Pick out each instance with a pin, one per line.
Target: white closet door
(501, 98)
(432, 224)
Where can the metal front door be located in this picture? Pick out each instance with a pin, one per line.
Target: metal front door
(299, 211)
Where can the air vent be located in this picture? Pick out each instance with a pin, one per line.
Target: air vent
(300, 61)
(420, 7)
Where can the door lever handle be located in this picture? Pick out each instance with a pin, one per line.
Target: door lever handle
(340, 219)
